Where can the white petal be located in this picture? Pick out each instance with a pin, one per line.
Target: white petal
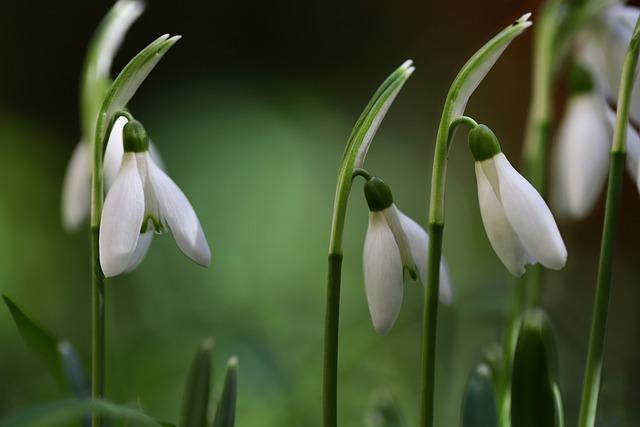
(581, 156)
(530, 216)
(392, 216)
(76, 188)
(504, 240)
(179, 215)
(114, 152)
(382, 274)
(419, 243)
(122, 217)
(144, 241)
(125, 12)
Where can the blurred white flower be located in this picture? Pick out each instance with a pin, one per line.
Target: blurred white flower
(517, 221)
(580, 158)
(394, 245)
(76, 188)
(143, 200)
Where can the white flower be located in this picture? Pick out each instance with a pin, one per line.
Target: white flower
(394, 245)
(581, 155)
(143, 199)
(517, 221)
(580, 161)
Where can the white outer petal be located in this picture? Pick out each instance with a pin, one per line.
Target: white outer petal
(392, 216)
(125, 13)
(530, 216)
(144, 241)
(504, 240)
(383, 271)
(179, 215)
(419, 242)
(76, 188)
(581, 156)
(121, 220)
(114, 152)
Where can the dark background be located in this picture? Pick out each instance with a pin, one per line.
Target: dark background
(251, 110)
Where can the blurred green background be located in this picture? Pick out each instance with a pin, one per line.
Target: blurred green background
(251, 110)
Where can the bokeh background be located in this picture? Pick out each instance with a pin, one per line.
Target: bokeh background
(251, 110)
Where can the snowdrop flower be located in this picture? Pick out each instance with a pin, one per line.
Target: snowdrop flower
(581, 153)
(143, 200)
(76, 187)
(394, 245)
(517, 221)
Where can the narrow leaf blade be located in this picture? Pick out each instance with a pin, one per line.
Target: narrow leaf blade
(480, 406)
(196, 394)
(533, 402)
(226, 411)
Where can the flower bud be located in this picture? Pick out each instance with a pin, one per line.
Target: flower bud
(135, 139)
(483, 143)
(378, 194)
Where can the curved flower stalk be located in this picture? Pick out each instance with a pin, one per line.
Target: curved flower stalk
(463, 86)
(144, 200)
(353, 158)
(395, 247)
(518, 222)
(76, 187)
(581, 154)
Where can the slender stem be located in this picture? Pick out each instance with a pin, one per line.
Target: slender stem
(332, 317)
(430, 323)
(593, 369)
(97, 280)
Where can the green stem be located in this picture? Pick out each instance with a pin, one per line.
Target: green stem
(430, 323)
(332, 317)
(593, 370)
(97, 279)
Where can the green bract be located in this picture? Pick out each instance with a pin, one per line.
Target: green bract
(358, 145)
(460, 91)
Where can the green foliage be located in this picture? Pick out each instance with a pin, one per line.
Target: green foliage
(196, 395)
(480, 406)
(65, 412)
(533, 398)
(384, 412)
(59, 356)
(226, 412)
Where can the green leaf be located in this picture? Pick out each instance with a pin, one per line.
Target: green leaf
(59, 356)
(100, 53)
(226, 411)
(196, 394)
(559, 406)
(533, 403)
(130, 79)
(64, 412)
(480, 407)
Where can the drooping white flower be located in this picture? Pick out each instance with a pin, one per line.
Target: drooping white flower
(394, 246)
(580, 161)
(76, 188)
(142, 200)
(517, 221)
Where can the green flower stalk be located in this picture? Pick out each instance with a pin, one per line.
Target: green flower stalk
(593, 370)
(116, 99)
(461, 89)
(352, 160)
